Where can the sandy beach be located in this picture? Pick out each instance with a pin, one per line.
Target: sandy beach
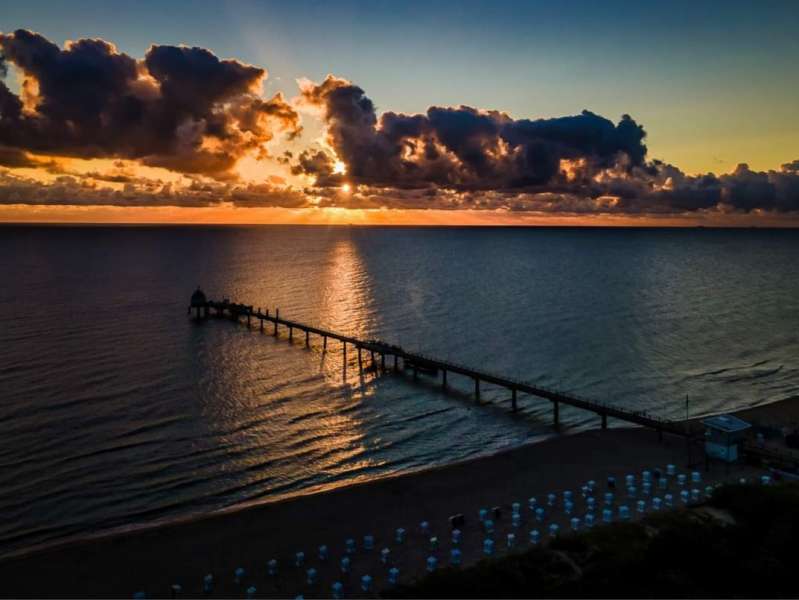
(152, 560)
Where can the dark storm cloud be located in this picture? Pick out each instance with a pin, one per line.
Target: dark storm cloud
(469, 158)
(181, 108)
(464, 148)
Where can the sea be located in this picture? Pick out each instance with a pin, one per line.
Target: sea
(118, 411)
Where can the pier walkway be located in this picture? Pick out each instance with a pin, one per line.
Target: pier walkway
(420, 363)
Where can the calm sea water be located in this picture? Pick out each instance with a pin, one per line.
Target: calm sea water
(117, 410)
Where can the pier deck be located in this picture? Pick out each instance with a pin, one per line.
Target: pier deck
(428, 364)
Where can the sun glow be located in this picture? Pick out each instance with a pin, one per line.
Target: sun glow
(346, 188)
(339, 168)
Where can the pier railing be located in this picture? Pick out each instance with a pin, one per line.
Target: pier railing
(417, 361)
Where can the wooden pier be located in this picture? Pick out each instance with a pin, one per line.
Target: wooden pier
(422, 364)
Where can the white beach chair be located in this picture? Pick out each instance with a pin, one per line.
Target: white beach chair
(488, 547)
(488, 525)
(456, 537)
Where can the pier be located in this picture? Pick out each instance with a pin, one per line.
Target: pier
(419, 363)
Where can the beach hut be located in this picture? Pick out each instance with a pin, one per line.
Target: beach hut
(723, 436)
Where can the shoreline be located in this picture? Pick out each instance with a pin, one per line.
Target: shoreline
(320, 489)
(87, 565)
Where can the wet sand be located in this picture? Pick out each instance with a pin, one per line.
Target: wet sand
(152, 560)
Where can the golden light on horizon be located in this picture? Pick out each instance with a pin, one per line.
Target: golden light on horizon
(346, 188)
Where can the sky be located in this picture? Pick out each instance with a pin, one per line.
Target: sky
(415, 112)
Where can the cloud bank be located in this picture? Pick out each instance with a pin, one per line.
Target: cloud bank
(469, 158)
(180, 108)
(185, 110)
